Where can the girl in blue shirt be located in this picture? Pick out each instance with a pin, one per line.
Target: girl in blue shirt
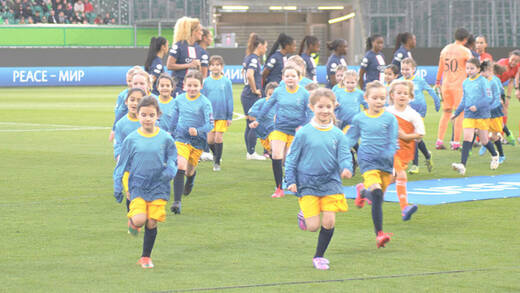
(404, 42)
(252, 91)
(317, 160)
(373, 64)
(192, 120)
(150, 157)
(265, 126)
(337, 58)
(153, 64)
(129, 122)
(217, 88)
(310, 45)
(475, 103)
(377, 131)
(165, 87)
(292, 112)
(276, 58)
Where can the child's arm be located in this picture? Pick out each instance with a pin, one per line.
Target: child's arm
(433, 94)
(171, 164)
(460, 108)
(292, 161)
(308, 112)
(409, 136)
(174, 118)
(353, 133)
(118, 142)
(121, 168)
(393, 133)
(265, 109)
(208, 120)
(229, 100)
(344, 157)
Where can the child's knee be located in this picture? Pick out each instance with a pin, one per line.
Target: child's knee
(139, 220)
(151, 224)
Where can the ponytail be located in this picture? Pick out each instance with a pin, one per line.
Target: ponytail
(369, 41)
(155, 46)
(307, 42)
(333, 45)
(401, 39)
(283, 40)
(253, 42)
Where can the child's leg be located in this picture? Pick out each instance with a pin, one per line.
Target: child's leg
(326, 232)
(278, 153)
(150, 233)
(376, 193)
(457, 130)
(178, 181)
(424, 150)
(484, 139)
(443, 124)
(400, 186)
(219, 145)
(211, 142)
(416, 155)
(466, 145)
(190, 178)
(498, 143)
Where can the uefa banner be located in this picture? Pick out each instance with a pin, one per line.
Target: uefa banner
(115, 75)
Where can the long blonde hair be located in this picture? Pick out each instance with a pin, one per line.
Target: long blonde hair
(184, 28)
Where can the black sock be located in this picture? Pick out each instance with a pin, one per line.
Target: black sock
(424, 150)
(148, 241)
(377, 209)
(323, 241)
(416, 155)
(250, 138)
(127, 205)
(212, 148)
(190, 179)
(474, 138)
(278, 172)
(365, 193)
(500, 150)
(178, 185)
(218, 154)
(466, 148)
(506, 130)
(489, 146)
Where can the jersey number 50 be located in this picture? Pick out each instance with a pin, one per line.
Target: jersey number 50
(451, 65)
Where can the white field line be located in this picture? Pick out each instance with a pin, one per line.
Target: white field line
(55, 127)
(239, 116)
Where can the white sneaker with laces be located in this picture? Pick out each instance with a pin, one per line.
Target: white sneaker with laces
(459, 167)
(494, 163)
(255, 156)
(206, 156)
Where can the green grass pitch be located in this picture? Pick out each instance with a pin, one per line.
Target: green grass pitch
(64, 232)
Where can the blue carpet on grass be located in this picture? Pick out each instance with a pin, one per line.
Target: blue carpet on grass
(439, 191)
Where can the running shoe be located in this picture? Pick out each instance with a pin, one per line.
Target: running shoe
(408, 212)
(439, 145)
(429, 163)
(360, 200)
(278, 193)
(494, 163)
(206, 156)
(301, 221)
(455, 146)
(255, 156)
(176, 207)
(482, 151)
(132, 229)
(501, 159)
(145, 262)
(382, 238)
(459, 167)
(414, 169)
(511, 139)
(216, 167)
(320, 263)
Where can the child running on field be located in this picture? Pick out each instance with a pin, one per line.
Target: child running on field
(165, 87)
(349, 100)
(217, 88)
(476, 104)
(149, 155)
(392, 72)
(378, 131)
(319, 157)
(292, 112)
(495, 122)
(408, 67)
(411, 128)
(340, 71)
(192, 119)
(266, 126)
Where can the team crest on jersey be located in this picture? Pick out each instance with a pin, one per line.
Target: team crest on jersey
(343, 62)
(272, 61)
(334, 65)
(159, 66)
(254, 61)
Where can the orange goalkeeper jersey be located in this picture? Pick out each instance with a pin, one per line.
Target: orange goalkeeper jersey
(452, 65)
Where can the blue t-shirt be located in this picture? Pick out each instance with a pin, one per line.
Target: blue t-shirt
(275, 65)
(220, 94)
(332, 64)
(266, 124)
(184, 54)
(374, 65)
(477, 92)
(310, 67)
(252, 62)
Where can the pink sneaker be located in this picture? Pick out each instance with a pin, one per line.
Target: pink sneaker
(439, 145)
(320, 263)
(278, 193)
(455, 145)
(301, 221)
(359, 201)
(382, 238)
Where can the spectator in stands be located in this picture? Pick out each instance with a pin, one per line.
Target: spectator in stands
(52, 17)
(78, 17)
(98, 20)
(36, 17)
(30, 20)
(88, 7)
(79, 7)
(107, 18)
(61, 17)
(44, 19)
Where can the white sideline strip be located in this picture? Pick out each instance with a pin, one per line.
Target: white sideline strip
(55, 129)
(39, 124)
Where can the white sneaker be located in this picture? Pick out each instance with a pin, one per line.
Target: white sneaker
(255, 156)
(459, 167)
(206, 157)
(216, 167)
(494, 163)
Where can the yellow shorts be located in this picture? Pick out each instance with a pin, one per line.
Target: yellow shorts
(496, 125)
(372, 177)
(220, 126)
(313, 205)
(153, 209)
(266, 143)
(188, 152)
(126, 175)
(278, 135)
(482, 124)
(345, 129)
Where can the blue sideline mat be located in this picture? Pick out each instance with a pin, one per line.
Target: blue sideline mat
(439, 191)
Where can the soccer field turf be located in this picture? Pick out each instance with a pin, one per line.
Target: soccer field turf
(64, 232)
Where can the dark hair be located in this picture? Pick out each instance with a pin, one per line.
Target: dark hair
(401, 39)
(253, 42)
(165, 75)
(394, 68)
(155, 46)
(133, 90)
(371, 39)
(485, 65)
(149, 101)
(481, 36)
(216, 58)
(205, 32)
(515, 52)
(499, 69)
(194, 74)
(461, 34)
(312, 86)
(307, 42)
(333, 45)
(271, 86)
(282, 41)
(475, 61)
(470, 42)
